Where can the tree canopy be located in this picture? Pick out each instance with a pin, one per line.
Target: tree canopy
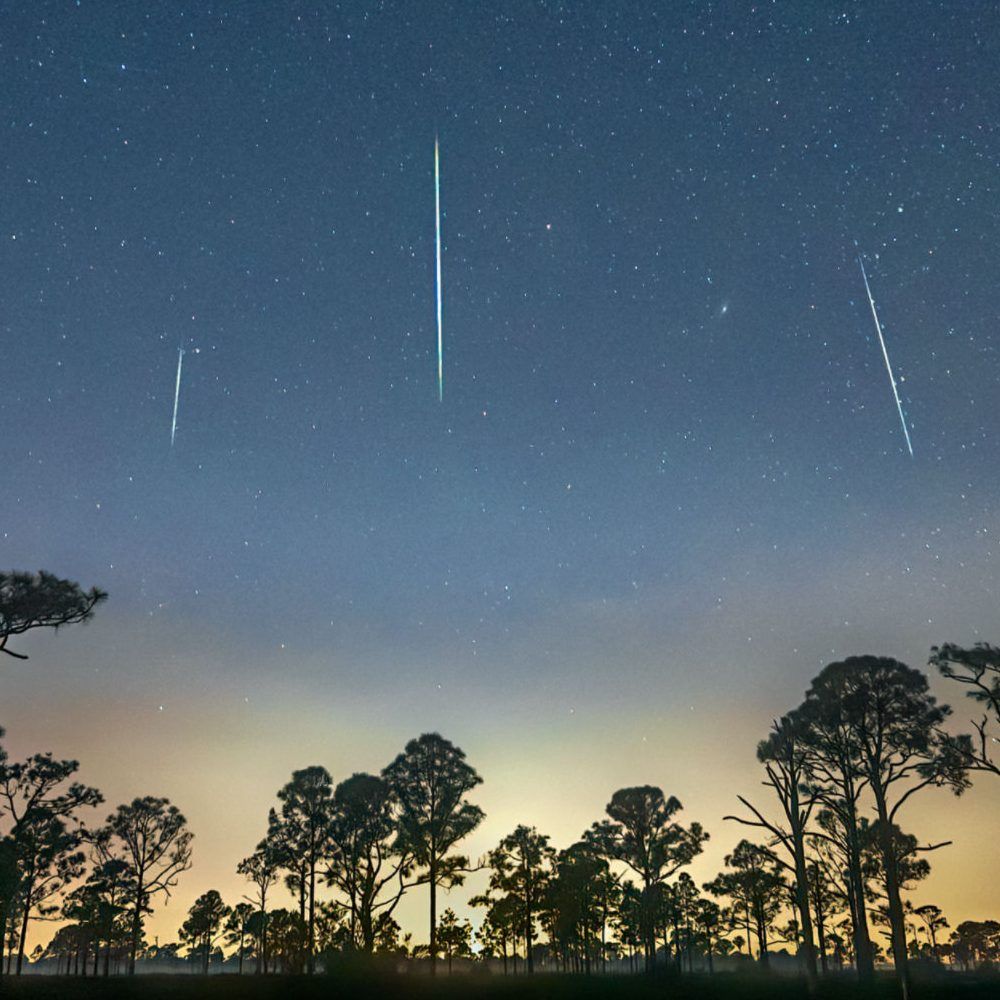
(41, 600)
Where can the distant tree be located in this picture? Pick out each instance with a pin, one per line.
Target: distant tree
(934, 921)
(785, 759)
(303, 828)
(101, 902)
(579, 899)
(499, 930)
(684, 905)
(332, 930)
(39, 855)
(151, 836)
(81, 913)
(368, 863)
(978, 669)
(899, 749)
(630, 920)
(975, 942)
(49, 859)
(389, 937)
(755, 885)
(454, 937)
(825, 900)
(260, 868)
(70, 943)
(708, 916)
(204, 925)
(41, 600)
(521, 869)
(237, 930)
(286, 931)
(286, 850)
(643, 835)
(431, 780)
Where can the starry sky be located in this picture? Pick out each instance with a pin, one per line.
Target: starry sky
(667, 482)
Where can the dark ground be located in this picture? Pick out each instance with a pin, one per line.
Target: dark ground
(329, 987)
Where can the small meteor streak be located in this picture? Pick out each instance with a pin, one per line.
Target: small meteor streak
(885, 354)
(437, 249)
(177, 395)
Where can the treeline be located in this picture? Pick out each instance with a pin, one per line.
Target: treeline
(825, 879)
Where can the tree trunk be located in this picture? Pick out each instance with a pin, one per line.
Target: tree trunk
(897, 920)
(528, 928)
(4, 916)
(432, 870)
(312, 917)
(864, 959)
(802, 892)
(821, 932)
(764, 958)
(136, 927)
(24, 923)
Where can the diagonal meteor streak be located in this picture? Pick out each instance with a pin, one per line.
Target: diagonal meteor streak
(437, 249)
(885, 354)
(177, 395)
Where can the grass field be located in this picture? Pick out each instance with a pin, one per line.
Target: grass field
(329, 987)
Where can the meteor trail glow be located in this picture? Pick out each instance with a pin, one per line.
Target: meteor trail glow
(177, 395)
(437, 248)
(885, 354)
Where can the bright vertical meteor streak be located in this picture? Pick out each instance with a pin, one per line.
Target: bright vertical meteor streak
(437, 248)
(177, 395)
(885, 354)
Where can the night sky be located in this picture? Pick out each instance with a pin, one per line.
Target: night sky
(667, 482)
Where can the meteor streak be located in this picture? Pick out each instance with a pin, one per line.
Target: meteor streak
(177, 395)
(885, 354)
(437, 249)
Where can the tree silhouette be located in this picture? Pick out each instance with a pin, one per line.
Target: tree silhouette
(900, 749)
(303, 830)
(41, 600)
(204, 925)
(836, 776)
(237, 930)
(37, 798)
(976, 941)
(260, 868)
(579, 900)
(708, 916)
(499, 929)
(49, 860)
(933, 920)
(286, 932)
(756, 886)
(785, 759)
(431, 780)
(643, 835)
(522, 864)
(150, 835)
(978, 669)
(366, 856)
(102, 901)
(825, 900)
(454, 937)
(683, 904)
